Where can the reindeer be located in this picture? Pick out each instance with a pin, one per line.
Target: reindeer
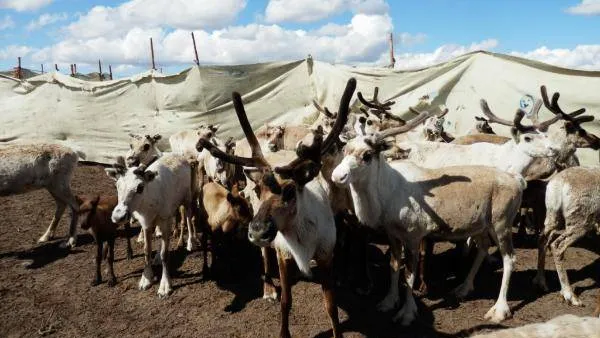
(142, 149)
(27, 167)
(152, 194)
(223, 213)
(571, 204)
(449, 203)
(294, 216)
(95, 216)
(482, 126)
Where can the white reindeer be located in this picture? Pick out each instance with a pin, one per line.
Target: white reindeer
(295, 217)
(410, 202)
(153, 195)
(26, 167)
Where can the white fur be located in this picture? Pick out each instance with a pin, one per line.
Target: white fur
(156, 204)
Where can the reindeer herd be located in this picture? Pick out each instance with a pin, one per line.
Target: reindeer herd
(298, 190)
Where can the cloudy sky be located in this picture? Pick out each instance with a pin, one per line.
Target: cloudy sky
(559, 32)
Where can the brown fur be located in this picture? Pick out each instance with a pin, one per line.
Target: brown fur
(477, 138)
(95, 216)
(223, 214)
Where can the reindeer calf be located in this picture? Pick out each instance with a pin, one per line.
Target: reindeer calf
(95, 216)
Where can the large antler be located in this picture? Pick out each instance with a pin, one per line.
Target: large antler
(257, 160)
(403, 129)
(374, 103)
(516, 123)
(555, 109)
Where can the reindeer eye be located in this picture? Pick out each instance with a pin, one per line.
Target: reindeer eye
(369, 122)
(140, 188)
(146, 147)
(527, 139)
(367, 157)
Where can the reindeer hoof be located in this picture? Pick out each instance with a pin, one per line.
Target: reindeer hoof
(45, 239)
(498, 313)
(112, 282)
(270, 297)
(571, 299)
(95, 282)
(69, 244)
(540, 283)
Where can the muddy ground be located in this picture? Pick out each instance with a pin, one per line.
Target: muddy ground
(45, 290)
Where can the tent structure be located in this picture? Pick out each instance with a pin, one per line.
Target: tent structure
(96, 117)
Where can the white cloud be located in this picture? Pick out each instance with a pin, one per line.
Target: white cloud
(46, 19)
(103, 21)
(407, 39)
(585, 57)
(586, 7)
(363, 39)
(441, 54)
(314, 10)
(6, 23)
(11, 52)
(24, 5)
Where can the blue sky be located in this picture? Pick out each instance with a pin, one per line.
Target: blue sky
(426, 32)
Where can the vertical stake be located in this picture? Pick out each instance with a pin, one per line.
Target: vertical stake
(392, 59)
(197, 61)
(152, 53)
(110, 72)
(100, 71)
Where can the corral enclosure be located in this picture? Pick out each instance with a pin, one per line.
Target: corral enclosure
(46, 290)
(96, 117)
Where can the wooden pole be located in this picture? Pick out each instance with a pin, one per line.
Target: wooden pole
(19, 73)
(152, 54)
(197, 61)
(42, 68)
(392, 59)
(110, 72)
(100, 71)
(75, 69)
(71, 69)
(56, 67)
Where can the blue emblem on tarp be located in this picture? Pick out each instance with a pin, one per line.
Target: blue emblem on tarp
(526, 104)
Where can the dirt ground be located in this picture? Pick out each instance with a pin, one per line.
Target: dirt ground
(45, 291)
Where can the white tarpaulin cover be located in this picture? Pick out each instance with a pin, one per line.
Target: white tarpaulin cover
(95, 118)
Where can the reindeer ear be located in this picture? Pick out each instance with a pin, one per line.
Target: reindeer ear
(149, 175)
(156, 138)
(112, 173)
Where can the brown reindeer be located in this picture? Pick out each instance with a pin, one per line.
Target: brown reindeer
(95, 216)
(223, 214)
(295, 216)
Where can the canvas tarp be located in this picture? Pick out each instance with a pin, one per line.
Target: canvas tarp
(95, 118)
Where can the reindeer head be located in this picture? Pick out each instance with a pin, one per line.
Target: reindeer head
(532, 140)
(240, 212)
(482, 125)
(130, 187)
(275, 137)
(569, 132)
(279, 189)
(87, 209)
(215, 167)
(141, 149)
(362, 155)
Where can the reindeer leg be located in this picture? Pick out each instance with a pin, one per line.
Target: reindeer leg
(165, 281)
(112, 280)
(328, 286)
(391, 299)
(190, 227)
(98, 261)
(559, 246)
(180, 218)
(425, 251)
(502, 235)
(129, 248)
(552, 222)
(408, 311)
(286, 293)
(269, 292)
(483, 243)
(597, 311)
(60, 210)
(148, 274)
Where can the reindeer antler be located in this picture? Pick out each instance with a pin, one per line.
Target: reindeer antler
(560, 114)
(403, 129)
(324, 111)
(516, 123)
(374, 103)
